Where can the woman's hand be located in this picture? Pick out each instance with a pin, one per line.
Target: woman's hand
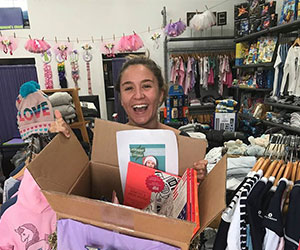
(59, 125)
(200, 167)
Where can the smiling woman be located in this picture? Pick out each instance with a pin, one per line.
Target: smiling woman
(142, 90)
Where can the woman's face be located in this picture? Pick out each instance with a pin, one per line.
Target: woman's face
(140, 96)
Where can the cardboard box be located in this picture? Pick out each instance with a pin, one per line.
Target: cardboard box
(72, 185)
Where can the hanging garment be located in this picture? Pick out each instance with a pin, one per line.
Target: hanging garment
(255, 212)
(273, 221)
(72, 234)
(27, 223)
(234, 240)
(278, 66)
(292, 225)
(180, 72)
(188, 76)
(292, 71)
(205, 72)
(232, 212)
(173, 70)
(211, 77)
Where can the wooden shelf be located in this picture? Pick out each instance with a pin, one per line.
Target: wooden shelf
(81, 124)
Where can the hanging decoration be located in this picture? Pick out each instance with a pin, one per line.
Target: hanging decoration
(175, 29)
(46, 58)
(155, 37)
(203, 21)
(61, 51)
(130, 43)
(8, 44)
(37, 46)
(74, 56)
(87, 57)
(109, 49)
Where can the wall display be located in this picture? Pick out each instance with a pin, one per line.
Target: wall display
(203, 21)
(8, 44)
(87, 57)
(175, 29)
(130, 43)
(61, 51)
(37, 46)
(155, 37)
(74, 56)
(109, 49)
(46, 58)
(288, 11)
(222, 18)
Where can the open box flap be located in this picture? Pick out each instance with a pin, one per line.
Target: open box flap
(121, 218)
(212, 194)
(189, 149)
(66, 156)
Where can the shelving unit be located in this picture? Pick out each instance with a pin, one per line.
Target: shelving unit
(290, 128)
(257, 65)
(284, 28)
(81, 123)
(284, 106)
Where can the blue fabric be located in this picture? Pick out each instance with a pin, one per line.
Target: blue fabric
(11, 78)
(17, 169)
(13, 189)
(249, 241)
(284, 48)
(8, 204)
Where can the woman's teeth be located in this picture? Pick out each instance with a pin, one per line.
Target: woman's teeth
(138, 107)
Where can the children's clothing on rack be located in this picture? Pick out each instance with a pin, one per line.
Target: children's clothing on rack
(204, 71)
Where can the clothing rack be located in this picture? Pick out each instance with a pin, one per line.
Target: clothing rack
(220, 47)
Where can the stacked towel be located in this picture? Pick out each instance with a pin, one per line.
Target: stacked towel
(62, 101)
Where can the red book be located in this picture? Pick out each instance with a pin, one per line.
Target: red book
(196, 204)
(188, 209)
(192, 195)
(144, 184)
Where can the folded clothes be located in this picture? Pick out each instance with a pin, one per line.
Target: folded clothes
(65, 110)
(60, 98)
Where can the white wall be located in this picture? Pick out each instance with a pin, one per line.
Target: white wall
(84, 19)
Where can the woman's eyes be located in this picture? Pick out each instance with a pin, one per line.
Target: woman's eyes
(146, 86)
(128, 88)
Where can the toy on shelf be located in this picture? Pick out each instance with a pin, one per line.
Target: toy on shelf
(176, 107)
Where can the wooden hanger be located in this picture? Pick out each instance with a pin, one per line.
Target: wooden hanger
(298, 173)
(258, 164)
(265, 165)
(271, 168)
(276, 169)
(296, 42)
(288, 170)
(278, 176)
(294, 171)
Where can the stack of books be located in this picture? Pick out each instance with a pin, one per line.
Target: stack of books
(163, 193)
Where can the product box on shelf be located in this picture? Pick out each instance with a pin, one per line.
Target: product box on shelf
(73, 186)
(225, 121)
(241, 11)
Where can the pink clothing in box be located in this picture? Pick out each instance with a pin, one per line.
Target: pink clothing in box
(28, 223)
